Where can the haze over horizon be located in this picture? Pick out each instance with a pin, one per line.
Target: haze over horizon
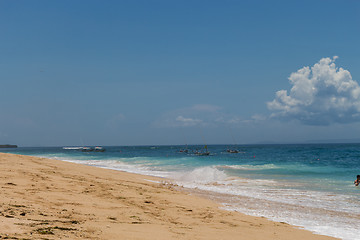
(178, 72)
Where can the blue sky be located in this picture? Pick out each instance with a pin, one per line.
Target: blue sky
(178, 72)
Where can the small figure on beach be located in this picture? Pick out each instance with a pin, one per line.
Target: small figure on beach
(357, 181)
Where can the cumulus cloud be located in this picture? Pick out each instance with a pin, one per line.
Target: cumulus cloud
(320, 95)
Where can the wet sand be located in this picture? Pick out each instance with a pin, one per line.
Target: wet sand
(51, 199)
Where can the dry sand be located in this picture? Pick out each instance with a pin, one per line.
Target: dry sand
(50, 199)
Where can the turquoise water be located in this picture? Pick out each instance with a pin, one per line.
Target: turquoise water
(310, 186)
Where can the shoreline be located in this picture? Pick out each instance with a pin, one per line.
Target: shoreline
(54, 199)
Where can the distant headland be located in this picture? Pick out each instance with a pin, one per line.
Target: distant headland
(8, 146)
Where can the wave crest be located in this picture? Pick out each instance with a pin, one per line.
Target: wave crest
(202, 175)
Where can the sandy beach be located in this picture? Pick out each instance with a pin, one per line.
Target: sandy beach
(51, 199)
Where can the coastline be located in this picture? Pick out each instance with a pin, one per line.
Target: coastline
(53, 199)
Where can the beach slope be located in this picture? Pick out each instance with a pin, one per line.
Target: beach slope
(50, 199)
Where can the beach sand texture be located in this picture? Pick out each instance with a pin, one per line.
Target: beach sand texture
(51, 199)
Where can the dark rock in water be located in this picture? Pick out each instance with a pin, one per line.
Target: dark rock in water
(8, 146)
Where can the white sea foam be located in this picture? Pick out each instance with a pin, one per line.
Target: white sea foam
(320, 212)
(121, 166)
(270, 190)
(317, 220)
(250, 167)
(201, 175)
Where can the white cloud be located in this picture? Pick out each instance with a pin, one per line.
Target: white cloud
(320, 95)
(204, 115)
(187, 122)
(258, 117)
(196, 115)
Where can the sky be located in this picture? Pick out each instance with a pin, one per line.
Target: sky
(164, 72)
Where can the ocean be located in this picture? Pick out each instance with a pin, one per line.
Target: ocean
(307, 185)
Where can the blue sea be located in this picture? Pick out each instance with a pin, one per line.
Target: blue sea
(310, 186)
